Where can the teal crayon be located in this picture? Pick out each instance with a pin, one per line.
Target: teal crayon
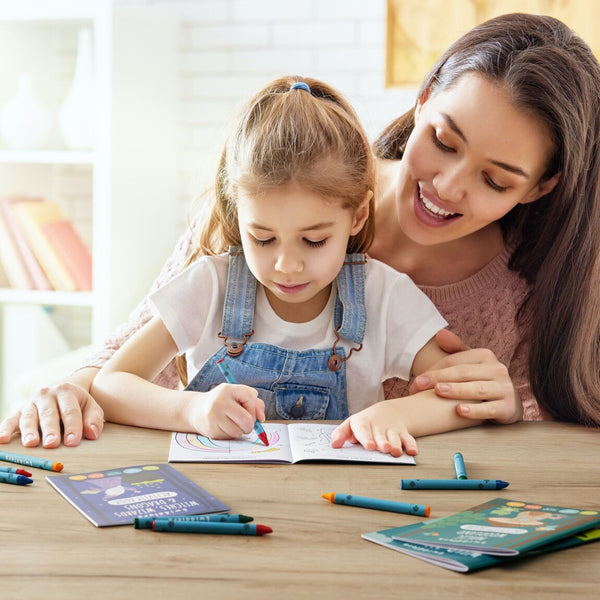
(31, 461)
(210, 527)
(14, 470)
(459, 466)
(453, 484)
(407, 508)
(146, 522)
(229, 378)
(15, 478)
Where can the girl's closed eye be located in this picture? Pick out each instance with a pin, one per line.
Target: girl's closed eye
(260, 242)
(493, 184)
(315, 244)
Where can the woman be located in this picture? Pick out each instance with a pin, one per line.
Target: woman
(489, 199)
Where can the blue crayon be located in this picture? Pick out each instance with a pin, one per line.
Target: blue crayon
(459, 466)
(146, 522)
(210, 527)
(31, 461)
(14, 478)
(229, 378)
(377, 504)
(453, 484)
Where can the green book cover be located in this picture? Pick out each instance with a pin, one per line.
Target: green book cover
(465, 561)
(492, 533)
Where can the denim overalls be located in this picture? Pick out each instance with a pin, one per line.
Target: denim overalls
(294, 384)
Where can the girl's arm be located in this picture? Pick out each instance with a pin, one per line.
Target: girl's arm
(67, 409)
(391, 426)
(124, 389)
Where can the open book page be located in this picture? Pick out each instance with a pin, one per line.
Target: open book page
(312, 441)
(192, 447)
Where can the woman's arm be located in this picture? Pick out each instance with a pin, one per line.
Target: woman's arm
(69, 401)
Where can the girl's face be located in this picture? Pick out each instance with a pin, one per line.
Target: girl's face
(295, 245)
(471, 158)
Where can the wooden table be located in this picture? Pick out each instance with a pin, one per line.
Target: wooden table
(49, 550)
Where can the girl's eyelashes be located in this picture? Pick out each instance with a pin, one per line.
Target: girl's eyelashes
(261, 242)
(494, 185)
(311, 243)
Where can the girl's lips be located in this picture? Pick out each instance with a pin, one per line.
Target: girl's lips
(291, 289)
(430, 213)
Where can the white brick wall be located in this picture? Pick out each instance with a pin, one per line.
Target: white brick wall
(229, 49)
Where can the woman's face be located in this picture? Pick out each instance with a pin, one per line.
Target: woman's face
(471, 158)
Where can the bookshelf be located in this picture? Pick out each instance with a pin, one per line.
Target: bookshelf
(119, 192)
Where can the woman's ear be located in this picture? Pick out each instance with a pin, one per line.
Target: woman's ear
(362, 213)
(541, 189)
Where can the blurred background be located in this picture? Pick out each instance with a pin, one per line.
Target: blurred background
(112, 117)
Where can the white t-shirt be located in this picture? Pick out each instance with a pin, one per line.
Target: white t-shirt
(400, 321)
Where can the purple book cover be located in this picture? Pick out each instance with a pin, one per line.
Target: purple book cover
(118, 496)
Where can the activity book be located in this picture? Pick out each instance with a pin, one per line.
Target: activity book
(492, 533)
(118, 496)
(293, 443)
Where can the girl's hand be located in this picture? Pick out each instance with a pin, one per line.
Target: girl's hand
(227, 411)
(472, 374)
(377, 427)
(67, 404)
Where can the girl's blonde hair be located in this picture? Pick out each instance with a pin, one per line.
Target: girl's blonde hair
(282, 136)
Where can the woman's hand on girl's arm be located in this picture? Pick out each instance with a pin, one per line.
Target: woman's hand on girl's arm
(475, 378)
(67, 404)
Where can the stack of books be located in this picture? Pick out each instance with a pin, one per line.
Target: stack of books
(40, 249)
(492, 534)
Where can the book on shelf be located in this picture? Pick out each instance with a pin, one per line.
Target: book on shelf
(56, 245)
(291, 443)
(72, 251)
(117, 496)
(491, 534)
(20, 264)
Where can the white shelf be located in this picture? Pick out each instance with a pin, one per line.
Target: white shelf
(46, 298)
(46, 157)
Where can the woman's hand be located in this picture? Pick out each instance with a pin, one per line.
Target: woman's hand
(67, 403)
(471, 375)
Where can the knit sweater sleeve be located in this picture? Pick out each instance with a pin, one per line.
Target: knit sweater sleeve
(143, 313)
(482, 310)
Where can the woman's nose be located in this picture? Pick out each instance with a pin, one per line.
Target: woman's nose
(451, 184)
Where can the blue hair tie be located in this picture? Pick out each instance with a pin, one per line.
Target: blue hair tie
(300, 85)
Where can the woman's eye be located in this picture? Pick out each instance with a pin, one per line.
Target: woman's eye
(439, 144)
(494, 185)
(313, 244)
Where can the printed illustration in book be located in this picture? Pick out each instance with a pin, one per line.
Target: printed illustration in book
(296, 442)
(492, 533)
(118, 496)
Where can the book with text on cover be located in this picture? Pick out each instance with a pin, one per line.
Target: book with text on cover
(118, 496)
(492, 533)
(296, 442)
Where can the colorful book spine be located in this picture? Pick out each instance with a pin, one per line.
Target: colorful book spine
(71, 251)
(34, 269)
(32, 217)
(12, 262)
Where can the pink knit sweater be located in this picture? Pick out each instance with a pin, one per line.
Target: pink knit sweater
(480, 309)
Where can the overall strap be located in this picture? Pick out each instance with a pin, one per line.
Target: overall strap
(240, 299)
(350, 316)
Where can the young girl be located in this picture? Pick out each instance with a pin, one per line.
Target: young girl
(309, 325)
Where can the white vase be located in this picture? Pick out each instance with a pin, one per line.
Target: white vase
(24, 123)
(76, 113)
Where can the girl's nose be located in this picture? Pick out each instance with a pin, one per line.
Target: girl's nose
(289, 262)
